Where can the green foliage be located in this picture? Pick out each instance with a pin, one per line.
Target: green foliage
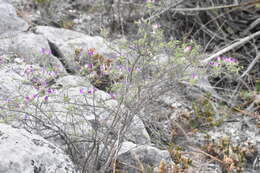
(258, 86)
(42, 1)
(204, 115)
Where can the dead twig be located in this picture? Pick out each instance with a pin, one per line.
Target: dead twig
(251, 65)
(232, 46)
(203, 152)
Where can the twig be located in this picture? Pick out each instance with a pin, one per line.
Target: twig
(163, 11)
(247, 113)
(203, 152)
(232, 46)
(251, 65)
(252, 25)
(246, 4)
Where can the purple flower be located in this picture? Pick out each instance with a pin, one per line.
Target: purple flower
(234, 60)
(43, 70)
(29, 70)
(120, 67)
(50, 90)
(216, 64)
(219, 58)
(211, 63)
(44, 84)
(225, 59)
(35, 96)
(27, 99)
(230, 59)
(187, 49)
(43, 51)
(194, 76)
(112, 95)
(26, 116)
(138, 69)
(52, 73)
(49, 52)
(35, 80)
(91, 51)
(1, 60)
(46, 98)
(103, 73)
(92, 91)
(81, 91)
(89, 66)
(7, 101)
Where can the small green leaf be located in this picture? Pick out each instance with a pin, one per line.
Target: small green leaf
(258, 86)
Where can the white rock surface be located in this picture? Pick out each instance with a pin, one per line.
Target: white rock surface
(10, 23)
(29, 47)
(22, 152)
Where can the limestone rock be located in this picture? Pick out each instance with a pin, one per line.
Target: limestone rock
(23, 152)
(10, 23)
(67, 41)
(132, 156)
(32, 48)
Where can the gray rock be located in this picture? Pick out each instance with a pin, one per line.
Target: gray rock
(132, 155)
(32, 48)
(10, 23)
(23, 152)
(11, 81)
(66, 41)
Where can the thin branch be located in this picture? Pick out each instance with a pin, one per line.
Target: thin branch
(232, 46)
(246, 4)
(163, 11)
(251, 65)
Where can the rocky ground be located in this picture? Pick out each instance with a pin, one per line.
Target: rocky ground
(55, 118)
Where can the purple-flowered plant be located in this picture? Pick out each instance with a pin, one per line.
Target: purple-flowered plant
(92, 91)
(188, 49)
(27, 99)
(194, 76)
(29, 70)
(46, 98)
(26, 116)
(35, 95)
(91, 51)
(222, 59)
(112, 96)
(89, 66)
(50, 90)
(81, 91)
(46, 52)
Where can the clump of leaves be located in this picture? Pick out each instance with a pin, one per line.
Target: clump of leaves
(181, 162)
(170, 167)
(101, 70)
(233, 157)
(204, 115)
